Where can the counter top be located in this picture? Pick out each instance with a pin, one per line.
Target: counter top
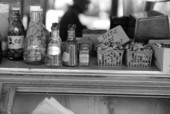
(122, 81)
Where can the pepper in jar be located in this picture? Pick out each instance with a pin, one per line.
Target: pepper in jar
(15, 37)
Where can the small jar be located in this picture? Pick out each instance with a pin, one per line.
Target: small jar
(84, 55)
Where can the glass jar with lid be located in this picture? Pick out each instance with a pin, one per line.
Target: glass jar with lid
(36, 38)
(84, 55)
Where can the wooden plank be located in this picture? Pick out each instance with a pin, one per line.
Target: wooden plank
(1, 103)
(11, 96)
(88, 80)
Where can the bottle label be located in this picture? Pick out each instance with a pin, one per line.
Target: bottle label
(15, 42)
(84, 58)
(53, 50)
(66, 57)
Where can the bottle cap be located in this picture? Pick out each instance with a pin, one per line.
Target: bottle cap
(84, 46)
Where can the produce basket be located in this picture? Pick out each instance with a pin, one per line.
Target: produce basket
(109, 57)
(139, 58)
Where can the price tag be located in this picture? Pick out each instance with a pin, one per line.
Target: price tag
(116, 34)
(15, 42)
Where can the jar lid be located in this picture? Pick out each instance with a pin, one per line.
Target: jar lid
(84, 46)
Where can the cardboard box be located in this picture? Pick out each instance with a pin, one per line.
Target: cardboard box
(161, 55)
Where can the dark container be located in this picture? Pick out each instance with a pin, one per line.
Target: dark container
(148, 25)
(15, 37)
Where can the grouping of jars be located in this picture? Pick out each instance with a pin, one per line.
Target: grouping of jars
(36, 46)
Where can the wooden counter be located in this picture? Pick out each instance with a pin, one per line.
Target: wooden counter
(86, 80)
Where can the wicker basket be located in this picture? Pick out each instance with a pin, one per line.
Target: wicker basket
(140, 58)
(109, 58)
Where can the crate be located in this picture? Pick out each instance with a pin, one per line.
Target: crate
(110, 57)
(161, 55)
(139, 58)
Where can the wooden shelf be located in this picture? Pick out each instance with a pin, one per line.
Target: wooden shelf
(149, 82)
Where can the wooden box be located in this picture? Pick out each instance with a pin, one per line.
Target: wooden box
(161, 55)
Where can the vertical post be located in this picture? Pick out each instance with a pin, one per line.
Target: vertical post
(10, 101)
(114, 8)
(1, 104)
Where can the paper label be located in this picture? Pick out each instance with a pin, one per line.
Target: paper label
(15, 42)
(84, 58)
(53, 50)
(116, 34)
(66, 57)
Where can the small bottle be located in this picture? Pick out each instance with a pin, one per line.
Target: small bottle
(15, 37)
(84, 55)
(70, 55)
(54, 47)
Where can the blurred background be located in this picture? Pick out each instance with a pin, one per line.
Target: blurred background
(99, 13)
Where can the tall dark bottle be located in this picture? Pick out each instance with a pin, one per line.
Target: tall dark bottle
(15, 37)
(70, 54)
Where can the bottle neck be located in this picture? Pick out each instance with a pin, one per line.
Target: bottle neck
(36, 16)
(55, 35)
(15, 19)
(15, 15)
(71, 35)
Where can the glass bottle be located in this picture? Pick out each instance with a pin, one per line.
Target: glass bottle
(70, 55)
(15, 36)
(54, 47)
(36, 38)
